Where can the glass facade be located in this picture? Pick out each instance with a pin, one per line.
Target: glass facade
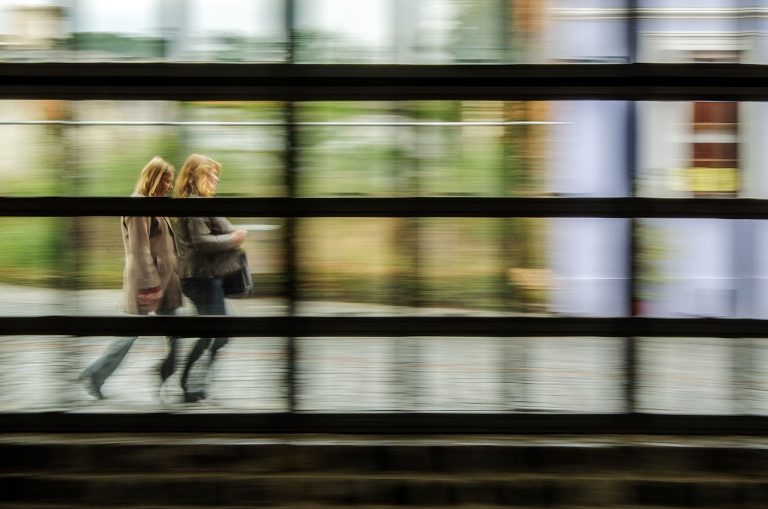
(559, 266)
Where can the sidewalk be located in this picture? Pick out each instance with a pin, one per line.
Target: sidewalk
(584, 374)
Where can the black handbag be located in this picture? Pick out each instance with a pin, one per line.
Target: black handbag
(238, 284)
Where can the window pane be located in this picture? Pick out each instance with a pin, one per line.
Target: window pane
(117, 30)
(230, 31)
(470, 148)
(34, 30)
(34, 275)
(467, 266)
(97, 148)
(693, 31)
(585, 31)
(247, 138)
(32, 151)
(349, 266)
(113, 140)
(473, 374)
(584, 375)
(74, 266)
(700, 149)
(703, 268)
(39, 373)
(687, 376)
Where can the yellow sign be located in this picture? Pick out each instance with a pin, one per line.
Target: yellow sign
(707, 180)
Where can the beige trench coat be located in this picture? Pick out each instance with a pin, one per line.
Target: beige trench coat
(150, 260)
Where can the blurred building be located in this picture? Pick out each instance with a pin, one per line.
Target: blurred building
(704, 267)
(32, 30)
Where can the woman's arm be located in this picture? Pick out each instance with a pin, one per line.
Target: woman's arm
(201, 236)
(222, 225)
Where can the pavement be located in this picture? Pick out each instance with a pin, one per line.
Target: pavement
(582, 374)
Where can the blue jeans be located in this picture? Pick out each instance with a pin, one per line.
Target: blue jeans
(100, 369)
(207, 294)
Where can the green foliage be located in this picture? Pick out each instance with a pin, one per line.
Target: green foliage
(106, 42)
(114, 172)
(30, 254)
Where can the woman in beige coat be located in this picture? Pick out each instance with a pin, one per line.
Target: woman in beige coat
(150, 276)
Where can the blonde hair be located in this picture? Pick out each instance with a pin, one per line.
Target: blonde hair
(152, 175)
(193, 177)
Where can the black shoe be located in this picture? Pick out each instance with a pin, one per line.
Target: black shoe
(194, 397)
(89, 386)
(165, 370)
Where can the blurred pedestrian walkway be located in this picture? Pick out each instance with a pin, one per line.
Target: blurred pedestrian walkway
(479, 374)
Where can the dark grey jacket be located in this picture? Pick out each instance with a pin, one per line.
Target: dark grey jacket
(207, 247)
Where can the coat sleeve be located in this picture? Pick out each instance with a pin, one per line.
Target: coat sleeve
(144, 267)
(222, 224)
(202, 238)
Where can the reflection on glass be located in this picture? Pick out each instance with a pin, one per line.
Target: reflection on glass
(703, 268)
(459, 265)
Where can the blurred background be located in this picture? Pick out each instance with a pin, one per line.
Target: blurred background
(408, 266)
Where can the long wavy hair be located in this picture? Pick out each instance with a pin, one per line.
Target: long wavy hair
(152, 175)
(193, 177)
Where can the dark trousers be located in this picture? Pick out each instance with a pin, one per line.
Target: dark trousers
(207, 294)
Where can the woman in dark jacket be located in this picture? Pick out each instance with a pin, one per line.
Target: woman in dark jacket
(204, 243)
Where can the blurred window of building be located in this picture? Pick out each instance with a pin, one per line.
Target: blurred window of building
(32, 31)
(227, 31)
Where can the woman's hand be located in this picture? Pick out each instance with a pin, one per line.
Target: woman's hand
(149, 299)
(239, 236)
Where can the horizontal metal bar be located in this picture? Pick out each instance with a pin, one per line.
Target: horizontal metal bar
(452, 206)
(385, 423)
(383, 326)
(314, 82)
